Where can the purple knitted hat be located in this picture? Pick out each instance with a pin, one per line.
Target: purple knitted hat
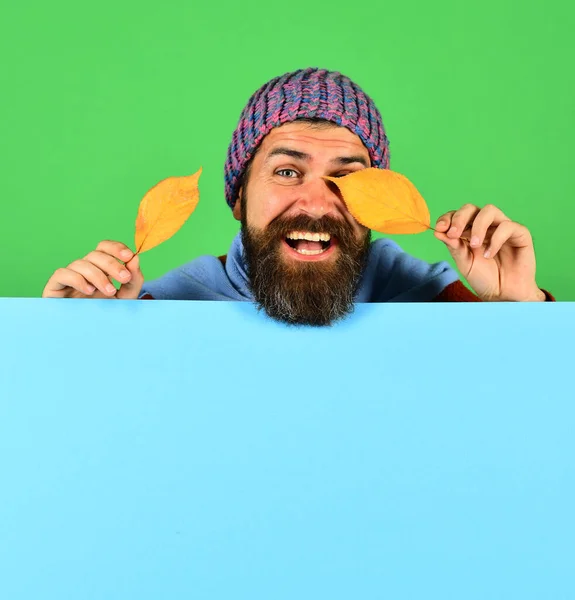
(306, 93)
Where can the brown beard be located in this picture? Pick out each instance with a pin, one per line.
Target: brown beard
(304, 293)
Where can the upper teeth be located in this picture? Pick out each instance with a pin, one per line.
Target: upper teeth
(310, 237)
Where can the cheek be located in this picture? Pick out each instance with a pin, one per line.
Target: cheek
(358, 229)
(267, 203)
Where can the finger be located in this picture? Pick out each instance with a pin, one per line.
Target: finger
(63, 279)
(480, 226)
(455, 246)
(115, 249)
(461, 220)
(93, 275)
(489, 215)
(508, 231)
(132, 289)
(109, 265)
(444, 221)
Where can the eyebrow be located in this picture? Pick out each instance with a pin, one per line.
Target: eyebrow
(340, 160)
(348, 160)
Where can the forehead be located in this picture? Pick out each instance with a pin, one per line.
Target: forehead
(314, 140)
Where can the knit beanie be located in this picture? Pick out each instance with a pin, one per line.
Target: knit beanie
(305, 93)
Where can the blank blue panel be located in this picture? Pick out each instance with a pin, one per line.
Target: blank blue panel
(196, 450)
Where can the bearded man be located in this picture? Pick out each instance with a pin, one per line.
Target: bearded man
(300, 255)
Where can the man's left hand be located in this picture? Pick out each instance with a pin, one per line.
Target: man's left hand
(493, 253)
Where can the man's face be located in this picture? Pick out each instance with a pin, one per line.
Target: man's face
(304, 251)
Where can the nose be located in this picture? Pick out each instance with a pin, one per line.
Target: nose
(317, 199)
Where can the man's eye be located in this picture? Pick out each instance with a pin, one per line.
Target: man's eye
(286, 171)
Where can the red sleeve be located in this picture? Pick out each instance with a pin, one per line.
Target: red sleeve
(457, 292)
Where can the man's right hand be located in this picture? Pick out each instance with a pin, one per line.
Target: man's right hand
(91, 276)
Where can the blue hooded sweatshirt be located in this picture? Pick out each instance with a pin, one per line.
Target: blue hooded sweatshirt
(390, 275)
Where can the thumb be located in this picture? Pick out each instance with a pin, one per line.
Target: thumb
(132, 289)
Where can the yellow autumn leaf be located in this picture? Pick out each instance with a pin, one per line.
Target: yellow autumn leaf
(384, 201)
(164, 209)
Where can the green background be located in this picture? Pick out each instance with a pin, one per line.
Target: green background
(100, 101)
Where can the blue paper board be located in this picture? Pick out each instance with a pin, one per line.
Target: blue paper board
(199, 450)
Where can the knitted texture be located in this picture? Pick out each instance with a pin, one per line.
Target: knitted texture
(306, 93)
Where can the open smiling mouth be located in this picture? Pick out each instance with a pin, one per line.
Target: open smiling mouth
(310, 246)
